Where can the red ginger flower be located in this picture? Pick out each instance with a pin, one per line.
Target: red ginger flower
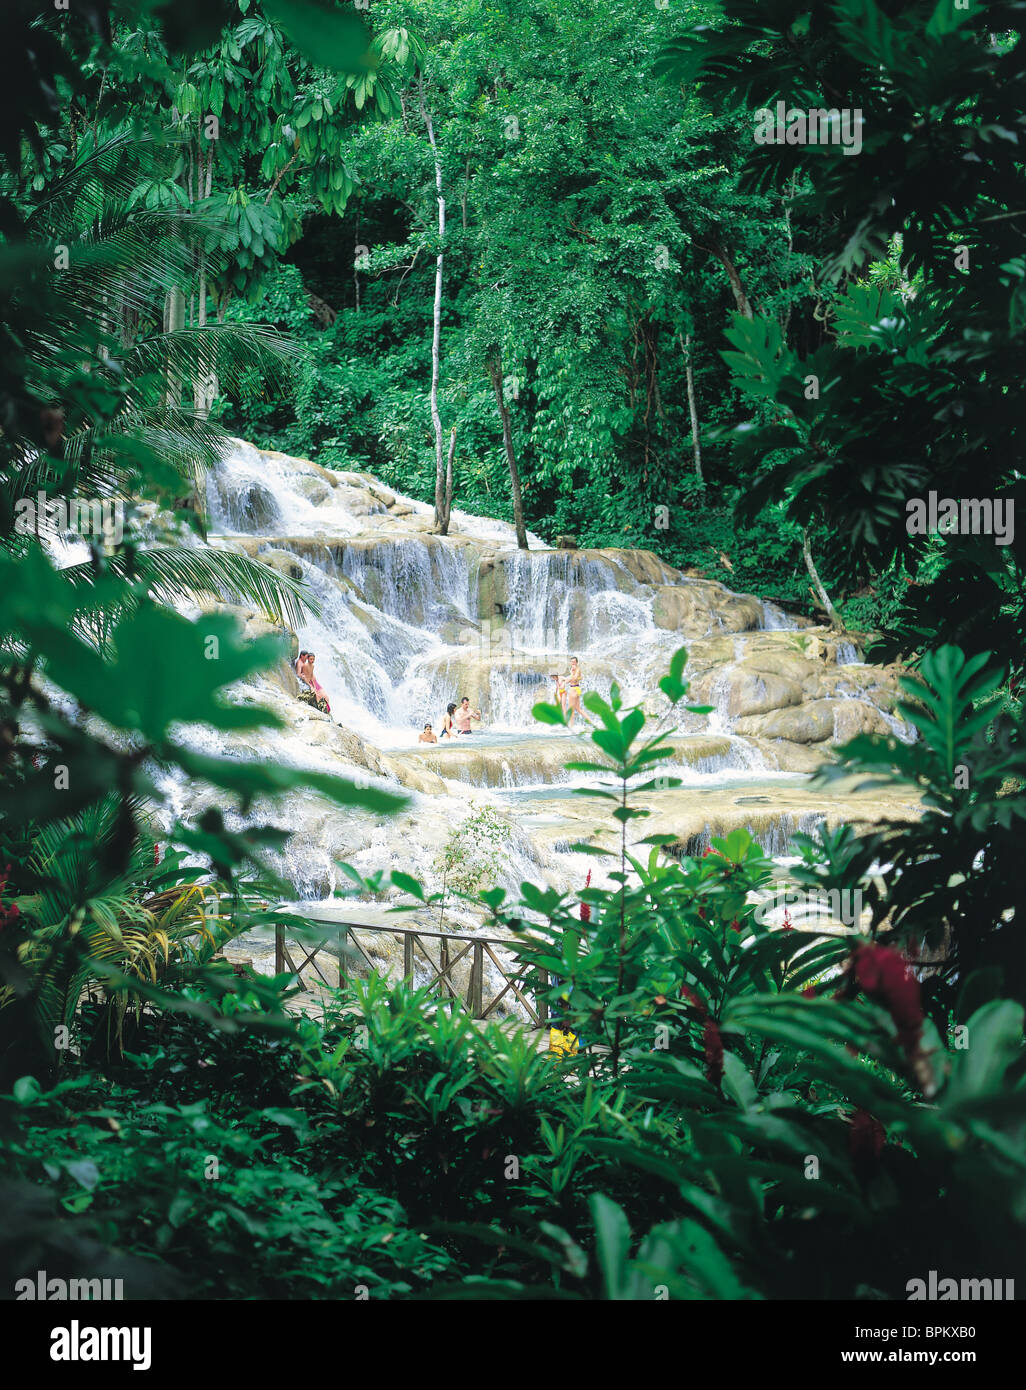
(7, 914)
(885, 976)
(713, 1045)
(585, 908)
(866, 1139)
(686, 992)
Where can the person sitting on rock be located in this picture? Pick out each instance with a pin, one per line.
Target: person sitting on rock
(464, 715)
(427, 736)
(314, 694)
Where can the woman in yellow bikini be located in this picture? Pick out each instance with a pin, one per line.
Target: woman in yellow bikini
(573, 691)
(560, 685)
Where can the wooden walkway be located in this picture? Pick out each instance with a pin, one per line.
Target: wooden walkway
(433, 952)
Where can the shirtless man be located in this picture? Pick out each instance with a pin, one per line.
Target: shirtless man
(464, 715)
(427, 736)
(314, 695)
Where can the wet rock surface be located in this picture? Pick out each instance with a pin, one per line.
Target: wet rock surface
(405, 621)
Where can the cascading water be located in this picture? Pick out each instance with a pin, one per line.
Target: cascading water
(774, 619)
(408, 621)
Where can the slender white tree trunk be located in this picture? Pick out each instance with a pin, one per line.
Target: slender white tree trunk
(205, 386)
(495, 372)
(692, 408)
(174, 322)
(824, 597)
(436, 336)
(447, 500)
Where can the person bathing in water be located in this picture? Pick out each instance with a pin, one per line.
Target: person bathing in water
(314, 693)
(464, 715)
(447, 728)
(428, 735)
(573, 693)
(560, 693)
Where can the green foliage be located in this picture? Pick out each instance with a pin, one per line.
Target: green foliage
(919, 283)
(102, 684)
(954, 891)
(469, 859)
(729, 1131)
(586, 217)
(756, 1112)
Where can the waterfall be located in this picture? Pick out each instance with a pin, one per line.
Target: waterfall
(774, 619)
(408, 621)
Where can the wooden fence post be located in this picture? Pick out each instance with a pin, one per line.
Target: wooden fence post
(543, 1008)
(408, 940)
(343, 940)
(279, 948)
(475, 994)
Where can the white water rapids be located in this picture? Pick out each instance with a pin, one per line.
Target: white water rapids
(409, 622)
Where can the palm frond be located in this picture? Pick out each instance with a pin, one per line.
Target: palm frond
(177, 573)
(179, 437)
(104, 177)
(232, 350)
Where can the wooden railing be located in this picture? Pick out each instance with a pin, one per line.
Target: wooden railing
(442, 963)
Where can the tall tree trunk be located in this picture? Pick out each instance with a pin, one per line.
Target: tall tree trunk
(495, 372)
(824, 597)
(741, 299)
(685, 343)
(436, 336)
(174, 322)
(447, 500)
(356, 263)
(205, 387)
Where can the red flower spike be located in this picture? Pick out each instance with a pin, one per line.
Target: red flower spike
(885, 976)
(585, 908)
(866, 1140)
(713, 1045)
(687, 993)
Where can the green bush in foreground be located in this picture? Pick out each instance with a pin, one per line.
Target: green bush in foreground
(760, 1113)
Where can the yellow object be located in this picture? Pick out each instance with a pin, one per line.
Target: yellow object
(562, 1043)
